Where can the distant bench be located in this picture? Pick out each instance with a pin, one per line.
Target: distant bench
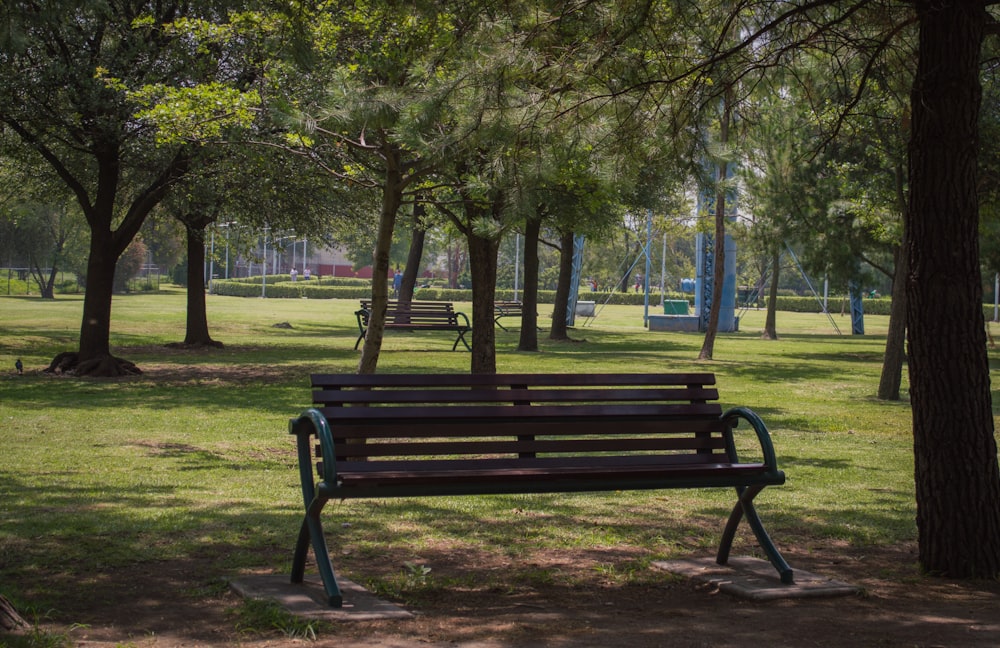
(417, 316)
(503, 309)
(398, 435)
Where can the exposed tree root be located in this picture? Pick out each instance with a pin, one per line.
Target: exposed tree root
(107, 366)
(10, 620)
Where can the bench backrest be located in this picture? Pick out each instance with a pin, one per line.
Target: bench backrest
(414, 313)
(522, 416)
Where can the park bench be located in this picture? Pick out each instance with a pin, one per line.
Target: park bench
(396, 435)
(503, 309)
(417, 316)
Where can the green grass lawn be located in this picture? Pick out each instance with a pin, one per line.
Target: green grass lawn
(193, 457)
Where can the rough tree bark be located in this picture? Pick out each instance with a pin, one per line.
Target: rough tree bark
(196, 326)
(770, 321)
(895, 341)
(414, 256)
(392, 197)
(483, 270)
(94, 357)
(528, 340)
(559, 330)
(956, 473)
(708, 346)
(10, 620)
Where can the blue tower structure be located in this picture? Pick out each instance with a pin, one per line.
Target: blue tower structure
(705, 258)
(574, 285)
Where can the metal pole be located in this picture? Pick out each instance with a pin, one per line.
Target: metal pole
(211, 263)
(663, 272)
(649, 237)
(996, 298)
(263, 269)
(227, 250)
(305, 244)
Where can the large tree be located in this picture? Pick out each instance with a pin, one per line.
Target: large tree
(956, 472)
(66, 68)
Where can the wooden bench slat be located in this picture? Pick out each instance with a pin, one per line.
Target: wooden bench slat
(487, 395)
(418, 431)
(539, 446)
(549, 474)
(520, 413)
(388, 381)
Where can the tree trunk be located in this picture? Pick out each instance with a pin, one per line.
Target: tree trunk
(955, 454)
(46, 284)
(895, 341)
(529, 297)
(770, 322)
(483, 269)
(413, 258)
(95, 331)
(49, 291)
(94, 357)
(719, 275)
(196, 334)
(559, 331)
(392, 196)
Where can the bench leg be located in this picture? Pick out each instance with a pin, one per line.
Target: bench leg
(301, 553)
(311, 532)
(461, 338)
(360, 337)
(497, 322)
(744, 506)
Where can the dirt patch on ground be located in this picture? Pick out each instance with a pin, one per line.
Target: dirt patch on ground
(586, 604)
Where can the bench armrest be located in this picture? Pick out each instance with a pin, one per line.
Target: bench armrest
(463, 316)
(312, 423)
(363, 316)
(732, 416)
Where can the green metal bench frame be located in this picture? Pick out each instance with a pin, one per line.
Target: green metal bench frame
(415, 435)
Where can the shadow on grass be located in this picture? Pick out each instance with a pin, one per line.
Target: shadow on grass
(135, 558)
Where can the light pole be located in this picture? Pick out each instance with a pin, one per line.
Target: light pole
(211, 263)
(263, 269)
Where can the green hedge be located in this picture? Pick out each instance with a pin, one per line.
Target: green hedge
(281, 286)
(879, 306)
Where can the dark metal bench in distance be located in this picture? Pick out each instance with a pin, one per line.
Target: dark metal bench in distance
(399, 435)
(417, 316)
(503, 309)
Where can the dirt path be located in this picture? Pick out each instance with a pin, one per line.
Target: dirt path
(182, 605)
